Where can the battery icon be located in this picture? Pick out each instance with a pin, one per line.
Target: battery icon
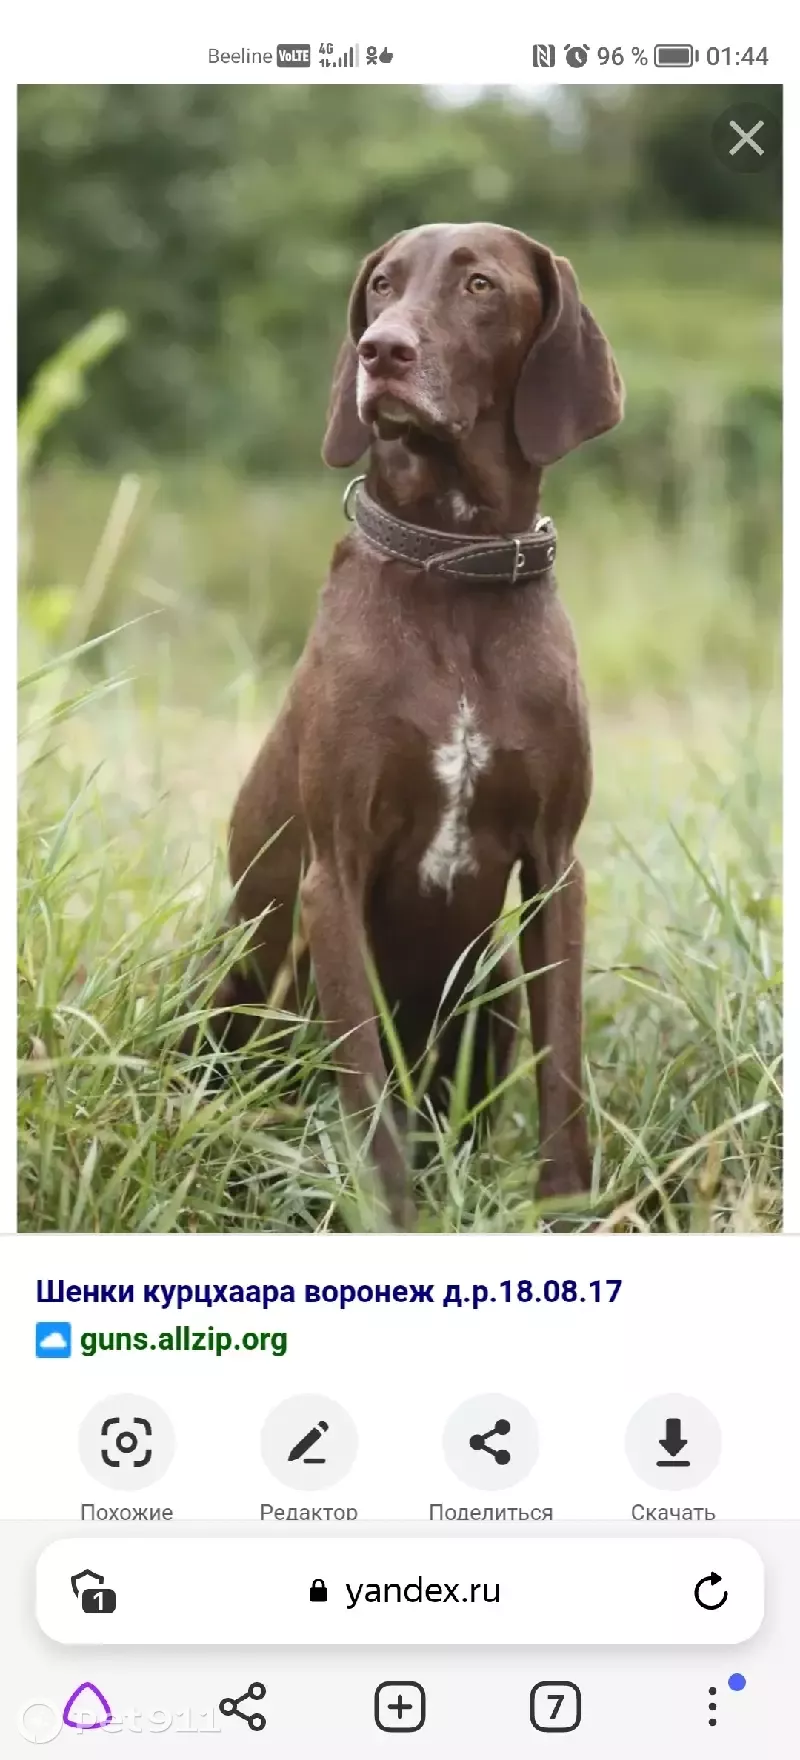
(674, 55)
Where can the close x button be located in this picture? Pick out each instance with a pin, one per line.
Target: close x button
(746, 139)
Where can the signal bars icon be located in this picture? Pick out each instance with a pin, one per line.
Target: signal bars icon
(328, 59)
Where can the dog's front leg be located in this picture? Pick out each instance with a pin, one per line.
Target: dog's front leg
(552, 950)
(333, 919)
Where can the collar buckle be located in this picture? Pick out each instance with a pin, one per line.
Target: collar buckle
(347, 508)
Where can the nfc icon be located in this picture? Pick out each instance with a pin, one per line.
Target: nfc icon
(544, 54)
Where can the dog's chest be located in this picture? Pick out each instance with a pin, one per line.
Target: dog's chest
(468, 712)
(465, 795)
(457, 764)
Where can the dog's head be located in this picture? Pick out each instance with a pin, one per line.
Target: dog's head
(451, 324)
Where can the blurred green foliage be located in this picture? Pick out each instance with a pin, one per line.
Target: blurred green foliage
(226, 223)
(223, 227)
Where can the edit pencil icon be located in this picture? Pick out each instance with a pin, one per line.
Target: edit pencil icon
(310, 1440)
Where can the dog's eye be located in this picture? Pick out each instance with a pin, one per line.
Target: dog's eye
(380, 284)
(479, 284)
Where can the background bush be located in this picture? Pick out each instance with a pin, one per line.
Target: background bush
(226, 224)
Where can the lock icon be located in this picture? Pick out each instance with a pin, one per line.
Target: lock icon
(318, 1591)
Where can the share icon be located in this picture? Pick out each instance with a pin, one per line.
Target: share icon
(256, 1719)
(481, 1442)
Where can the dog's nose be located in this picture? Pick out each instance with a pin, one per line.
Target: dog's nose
(385, 350)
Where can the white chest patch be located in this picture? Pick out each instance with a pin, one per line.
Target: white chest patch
(460, 505)
(457, 764)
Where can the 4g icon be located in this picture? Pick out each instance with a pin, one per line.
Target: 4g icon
(544, 54)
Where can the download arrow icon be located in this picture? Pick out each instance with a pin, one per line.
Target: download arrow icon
(672, 1443)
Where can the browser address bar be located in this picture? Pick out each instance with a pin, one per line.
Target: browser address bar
(427, 1591)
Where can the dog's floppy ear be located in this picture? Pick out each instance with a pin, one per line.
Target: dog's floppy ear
(569, 389)
(346, 437)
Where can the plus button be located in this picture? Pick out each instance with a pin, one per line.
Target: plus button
(400, 1706)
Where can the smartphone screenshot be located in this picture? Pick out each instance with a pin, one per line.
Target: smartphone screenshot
(400, 1279)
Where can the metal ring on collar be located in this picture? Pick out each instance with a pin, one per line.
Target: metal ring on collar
(353, 484)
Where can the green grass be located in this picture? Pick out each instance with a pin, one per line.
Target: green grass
(121, 811)
(234, 569)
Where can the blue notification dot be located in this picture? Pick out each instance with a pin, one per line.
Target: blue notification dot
(736, 1682)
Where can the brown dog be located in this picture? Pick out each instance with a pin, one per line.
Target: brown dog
(435, 732)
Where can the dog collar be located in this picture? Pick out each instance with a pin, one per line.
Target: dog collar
(525, 556)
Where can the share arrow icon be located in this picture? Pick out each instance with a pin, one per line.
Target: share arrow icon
(673, 1443)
